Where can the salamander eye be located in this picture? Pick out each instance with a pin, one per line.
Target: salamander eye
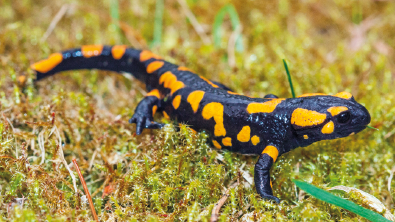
(344, 117)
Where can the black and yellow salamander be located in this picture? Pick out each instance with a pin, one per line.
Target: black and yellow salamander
(268, 126)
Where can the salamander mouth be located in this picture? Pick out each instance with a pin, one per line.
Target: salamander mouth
(308, 130)
(355, 129)
(343, 132)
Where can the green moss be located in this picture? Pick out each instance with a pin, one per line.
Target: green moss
(171, 174)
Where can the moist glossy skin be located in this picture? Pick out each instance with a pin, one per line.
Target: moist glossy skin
(267, 126)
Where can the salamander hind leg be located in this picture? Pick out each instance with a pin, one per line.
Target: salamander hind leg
(262, 174)
(144, 114)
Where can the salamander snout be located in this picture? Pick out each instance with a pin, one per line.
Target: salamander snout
(360, 118)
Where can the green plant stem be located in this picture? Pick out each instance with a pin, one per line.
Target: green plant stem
(340, 202)
(289, 78)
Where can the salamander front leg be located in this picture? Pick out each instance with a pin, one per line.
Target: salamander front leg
(262, 174)
(145, 110)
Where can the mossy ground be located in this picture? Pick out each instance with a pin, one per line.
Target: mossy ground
(167, 175)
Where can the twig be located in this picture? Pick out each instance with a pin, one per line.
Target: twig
(198, 28)
(61, 155)
(246, 175)
(7, 157)
(220, 203)
(9, 122)
(40, 140)
(130, 36)
(55, 21)
(390, 179)
(92, 160)
(86, 190)
(6, 110)
(32, 142)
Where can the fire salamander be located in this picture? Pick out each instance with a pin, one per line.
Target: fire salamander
(268, 126)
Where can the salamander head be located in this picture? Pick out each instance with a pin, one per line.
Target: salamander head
(324, 117)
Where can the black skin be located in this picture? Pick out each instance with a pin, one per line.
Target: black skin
(262, 177)
(273, 128)
(143, 115)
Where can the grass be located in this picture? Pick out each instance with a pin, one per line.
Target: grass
(166, 175)
(289, 78)
(340, 202)
(159, 8)
(114, 13)
(230, 10)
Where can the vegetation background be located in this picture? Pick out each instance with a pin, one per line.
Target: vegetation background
(170, 175)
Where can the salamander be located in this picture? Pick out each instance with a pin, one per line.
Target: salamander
(268, 126)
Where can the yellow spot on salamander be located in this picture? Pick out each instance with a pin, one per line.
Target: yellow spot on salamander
(344, 95)
(305, 137)
(255, 140)
(328, 128)
(216, 144)
(337, 109)
(153, 66)
(209, 82)
(154, 108)
(312, 94)
(183, 68)
(227, 141)
(154, 92)
(165, 115)
(118, 51)
(272, 152)
(233, 93)
(193, 131)
(22, 80)
(176, 86)
(215, 110)
(266, 107)
(244, 134)
(147, 55)
(91, 50)
(169, 81)
(304, 117)
(48, 64)
(176, 101)
(194, 99)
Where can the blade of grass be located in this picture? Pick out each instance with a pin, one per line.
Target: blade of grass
(289, 78)
(340, 202)
(196, 25)
(158, 23)
(114, 13)
(371, 127)
(357, 13)
(234, 19)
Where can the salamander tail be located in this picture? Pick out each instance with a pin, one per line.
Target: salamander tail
(117, 58)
